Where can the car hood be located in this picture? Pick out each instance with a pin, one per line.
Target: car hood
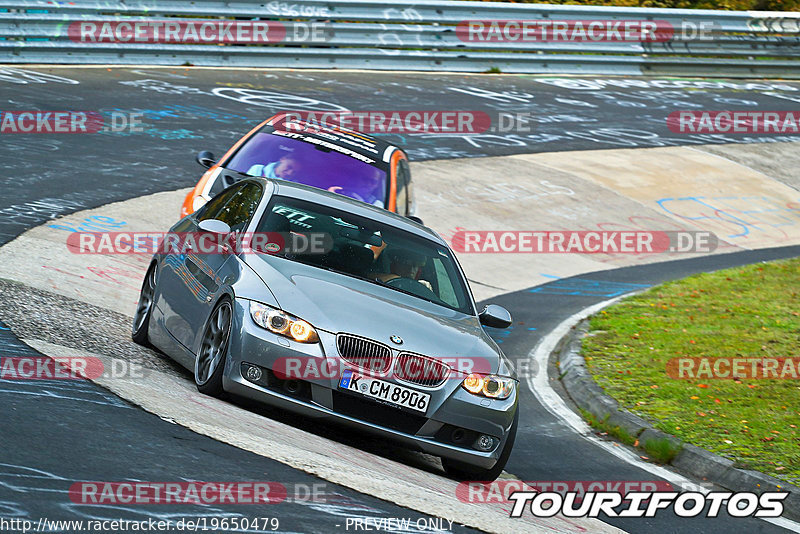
(337, 303)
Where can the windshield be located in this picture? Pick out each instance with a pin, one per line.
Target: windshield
(275, 156)
(366, 249)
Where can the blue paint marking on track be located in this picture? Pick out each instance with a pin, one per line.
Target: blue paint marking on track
(583, 287)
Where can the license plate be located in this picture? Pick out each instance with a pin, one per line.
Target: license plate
(384, 391)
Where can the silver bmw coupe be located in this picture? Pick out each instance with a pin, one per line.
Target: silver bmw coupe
(331, 308)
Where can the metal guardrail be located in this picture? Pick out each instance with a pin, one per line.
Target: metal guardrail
(420, 36)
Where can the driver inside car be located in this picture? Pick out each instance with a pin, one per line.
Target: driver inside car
(404, 264)
(286, 168)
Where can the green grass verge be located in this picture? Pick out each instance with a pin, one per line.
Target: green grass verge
(749, 312)
(603, 426)
(661, 450)
(658, 450)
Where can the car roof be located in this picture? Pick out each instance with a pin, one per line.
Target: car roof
(363, 144)
(350, 205)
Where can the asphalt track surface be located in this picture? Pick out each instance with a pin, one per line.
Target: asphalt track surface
(60, 433)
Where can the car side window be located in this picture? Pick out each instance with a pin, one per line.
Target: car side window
(235, 206)
(238, 211)
(214, 206)
(403, 179)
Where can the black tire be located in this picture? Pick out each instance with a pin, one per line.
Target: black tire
(462, 471)
(144, 309)
(209, 364)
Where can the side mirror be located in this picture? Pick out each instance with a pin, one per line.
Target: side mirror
(415, 219)
(206, 159)
(214, 226)
(495, 316)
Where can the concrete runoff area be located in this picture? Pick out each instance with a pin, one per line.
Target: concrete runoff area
(575, 191)
(774, 161)
(745, 207)
(663, 189)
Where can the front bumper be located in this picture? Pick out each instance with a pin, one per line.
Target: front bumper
(451, 407)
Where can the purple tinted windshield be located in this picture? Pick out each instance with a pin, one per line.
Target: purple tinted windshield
(274, 156)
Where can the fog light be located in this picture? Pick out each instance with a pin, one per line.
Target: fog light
(253, 373)
(485, 443)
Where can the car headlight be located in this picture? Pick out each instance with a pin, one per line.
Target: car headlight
(492, 386)
(282, 323)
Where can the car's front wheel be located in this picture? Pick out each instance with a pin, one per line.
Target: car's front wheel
(210, 361)
(462, 471)
(144, 309)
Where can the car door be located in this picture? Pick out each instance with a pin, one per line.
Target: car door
(199, 276)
